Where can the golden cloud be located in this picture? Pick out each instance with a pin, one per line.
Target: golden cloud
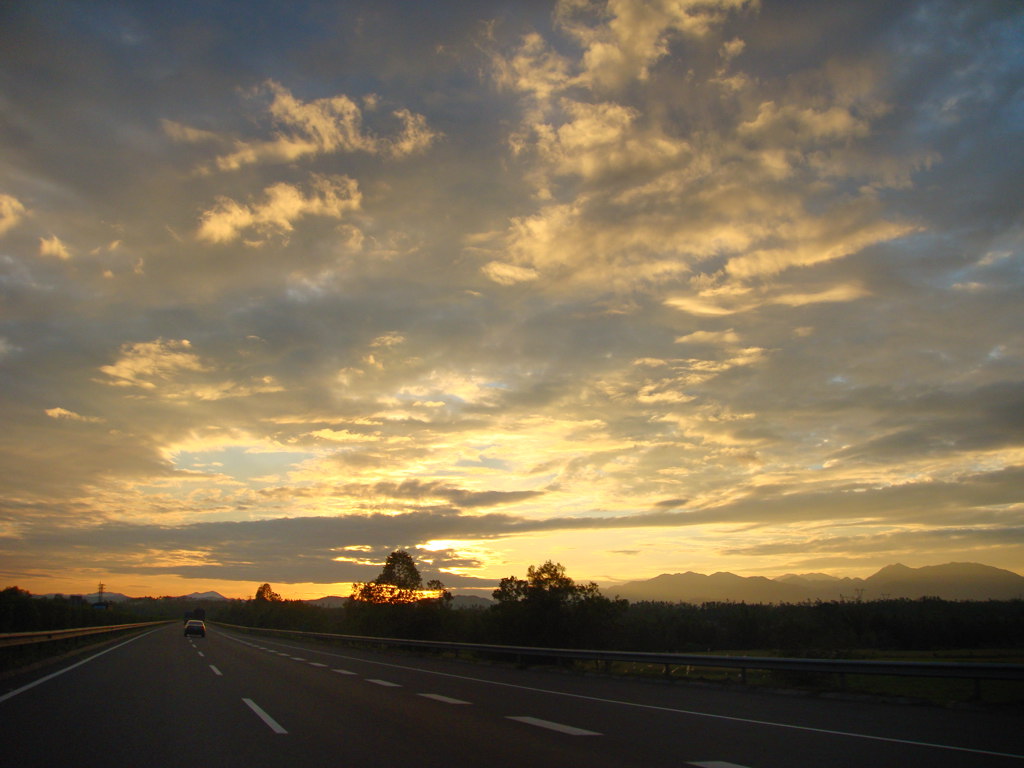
(282, 205)
(142, 363)
(11, 212)
(65, 414)
(53, 246)
(328, 125)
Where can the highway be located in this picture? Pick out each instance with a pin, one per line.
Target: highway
(160, 699)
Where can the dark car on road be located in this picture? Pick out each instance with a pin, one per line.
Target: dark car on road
(195, 627)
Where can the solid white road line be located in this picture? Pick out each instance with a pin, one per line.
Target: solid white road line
(569, 729)
(58, 673)
(271, 722)
(385, 683)
(444, 699)
(695, 713)
(216, 671)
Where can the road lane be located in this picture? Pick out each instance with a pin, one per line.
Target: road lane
(152, 702)
(643, 719)
(252, 701)
(332, 717)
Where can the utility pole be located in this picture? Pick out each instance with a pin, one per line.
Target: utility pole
(100, 602)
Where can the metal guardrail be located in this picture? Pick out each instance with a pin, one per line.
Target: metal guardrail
(28, 638)
(962, 670)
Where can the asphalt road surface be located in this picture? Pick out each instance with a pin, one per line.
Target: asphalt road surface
(161, 699)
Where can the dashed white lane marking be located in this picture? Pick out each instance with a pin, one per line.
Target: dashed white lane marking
(385, 683)
(316, 664)
(296, 658)
(216, 671)
(444, 699)
(201, 654)
(569, 729)
(716, 764)
(271, 722)
(651, 707)
(343, 672)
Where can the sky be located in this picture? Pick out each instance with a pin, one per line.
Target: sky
(637, 287)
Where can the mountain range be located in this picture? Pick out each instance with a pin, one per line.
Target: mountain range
(952, 581)
(117, 597)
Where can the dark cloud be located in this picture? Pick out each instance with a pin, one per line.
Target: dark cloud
(353, 547)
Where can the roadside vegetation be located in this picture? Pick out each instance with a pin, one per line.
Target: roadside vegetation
(549, 609)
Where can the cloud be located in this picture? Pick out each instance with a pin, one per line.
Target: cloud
(283, 204)
(533, 70)
(627, 200)
(187, 134)
(64, 413)
(509, 274)
(598, 140)
(12, 211)
(146, 364)
(569, 264)
(623, 39)
(710, 337)
(717, 297)
(53, 246)
(846, 230)
(794, 126)
(318, 549)
(322, 126)
(914, 541)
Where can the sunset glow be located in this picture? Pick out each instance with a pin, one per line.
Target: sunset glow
(633, 286)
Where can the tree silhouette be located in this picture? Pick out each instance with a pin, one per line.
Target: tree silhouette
(264, 594)
(399, 582)
(549, 608)
(444, 597)
(401, 571)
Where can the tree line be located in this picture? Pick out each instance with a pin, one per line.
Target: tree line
(548, 608)
(20, 611)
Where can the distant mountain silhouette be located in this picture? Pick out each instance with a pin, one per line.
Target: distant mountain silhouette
(952, 581)
(108, 597)
(117, 597)
(471, 601)
(330, 601)
(204, 596)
